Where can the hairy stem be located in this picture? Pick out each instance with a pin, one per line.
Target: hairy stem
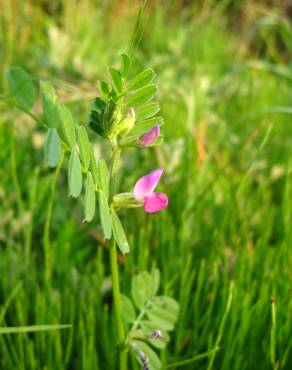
(115, 271)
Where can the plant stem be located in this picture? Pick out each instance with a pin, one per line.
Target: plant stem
(117, 304)
(114, 170)
(273, 335)
(46, 240)
(115, 270)
(222, 325)
(192, 359)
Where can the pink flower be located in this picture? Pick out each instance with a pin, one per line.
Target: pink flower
(149, 137)
(143, 192)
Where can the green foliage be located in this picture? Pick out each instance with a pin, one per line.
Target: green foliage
(109, 117)
(89, 201)
(142, 79)
(147, 111)
(155, 317)
(74, 175)
(128, 309)
(21, 87)
(116, 79)
(50, 104)
(104, 177)
(126, 61)
(105, 215)
(152, 360)
(52, 148)
(84, 147)
(94, 168)
(68, 127)
(145, 125)
(143, 95)
(119, 233)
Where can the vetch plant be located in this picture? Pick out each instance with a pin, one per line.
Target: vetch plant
(125, 115)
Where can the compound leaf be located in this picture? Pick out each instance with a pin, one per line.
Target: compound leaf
(21, 87)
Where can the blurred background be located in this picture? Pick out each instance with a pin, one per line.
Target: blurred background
(225, 75)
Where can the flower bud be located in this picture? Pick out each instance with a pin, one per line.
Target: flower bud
(149, 137)
(127, 124)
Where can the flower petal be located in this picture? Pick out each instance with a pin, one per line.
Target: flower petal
(150, 136)
(146, 184)
(155, 202)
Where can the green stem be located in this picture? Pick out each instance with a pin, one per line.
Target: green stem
(114, 170)
(192, 359)
(222, 325)
(139, 318)
(47, 242)
(117, 304)
(273, 335)
(115, 271)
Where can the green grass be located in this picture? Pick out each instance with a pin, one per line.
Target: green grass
(228, 175)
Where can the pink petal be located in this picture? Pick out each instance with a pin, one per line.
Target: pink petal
(150, 136)
(146, 184)
(155, 202)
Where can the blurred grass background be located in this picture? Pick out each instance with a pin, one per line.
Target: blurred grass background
(225, 72)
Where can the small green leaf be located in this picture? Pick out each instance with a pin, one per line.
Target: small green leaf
(141, 289)
(95, 123)
(119, 234)
(163, 313)
(128, 310)
(117, 79)
(104, 88)
(52, 148)
(143, 126)
(50, 104)
(105, 216)
(93, 167)
(149, 327)
(84, 147)
(99, 104)
(68, 126)
(89, 198)
(168, 303)
(147, 111)
(126, 64)
(155, 275)
(159, 321)
(74, 175)
(142, 96)
(152, 356)
(104, 177)
(21, 87)
(142, 79)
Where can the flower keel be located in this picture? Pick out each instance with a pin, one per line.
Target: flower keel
(155, 202)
